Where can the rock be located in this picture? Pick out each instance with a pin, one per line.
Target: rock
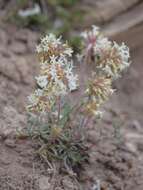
(23, 70)
(11, 121)
(97, 185)
(135, 125)
(3, 37)
(18, 47)
(132, 147)
(5, 161)
(44, 183)
(26, 163)
(88, 174)
(102, 11)
(21, 35)
(93, 156)
(140, 146)
(123, 23)
(10, 143)
(3, 51)
(32, 40)
(16, 68)
(68, 184)
(107, 117)
(8, 69)
(93, 136)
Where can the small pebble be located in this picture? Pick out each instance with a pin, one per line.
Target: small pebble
(10, 143)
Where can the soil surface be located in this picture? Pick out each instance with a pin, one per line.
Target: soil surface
(116, 153)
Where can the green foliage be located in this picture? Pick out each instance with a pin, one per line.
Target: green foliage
(64, 29)
(65, 3)
(70, 153)
(75, 42)
(22, 3)
(63, 10)
(39, 21)
(56, 142)
(72, 16)
(66, 115)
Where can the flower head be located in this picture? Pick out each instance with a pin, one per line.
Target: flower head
(98, 91)
(51, 46)
(107, 56)
(42, 81)
(56, 77)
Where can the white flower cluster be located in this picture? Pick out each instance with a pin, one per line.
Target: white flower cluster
(56, 76)
(98, 91)
(44, 45)
(88, 35)
(56, 73)
(109, 59)
(53, 46)
(108, 56)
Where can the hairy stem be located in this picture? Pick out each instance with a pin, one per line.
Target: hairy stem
(87, 120)
(59, 109)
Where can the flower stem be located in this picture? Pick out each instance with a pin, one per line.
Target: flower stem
(87, 120)
(59, 109)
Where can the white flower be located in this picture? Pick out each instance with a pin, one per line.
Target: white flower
(108, 71)
(44, 65)
(123, 49)
(58, 60)
(39, 92)
(55, 113)
(59, 88)
(72, 79)
(51, 38)
(33, 100)
(46, 41)
(89, 34)
(95, 30)
(79, 57)
(102, 43)
(84, 34)
(42, 81)
(62, 60)
(72, 82)
(69, 69)
(53, 59)
(39, 49)
(53, 72)
(124, 53)
(98, 114)
(68, 51)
